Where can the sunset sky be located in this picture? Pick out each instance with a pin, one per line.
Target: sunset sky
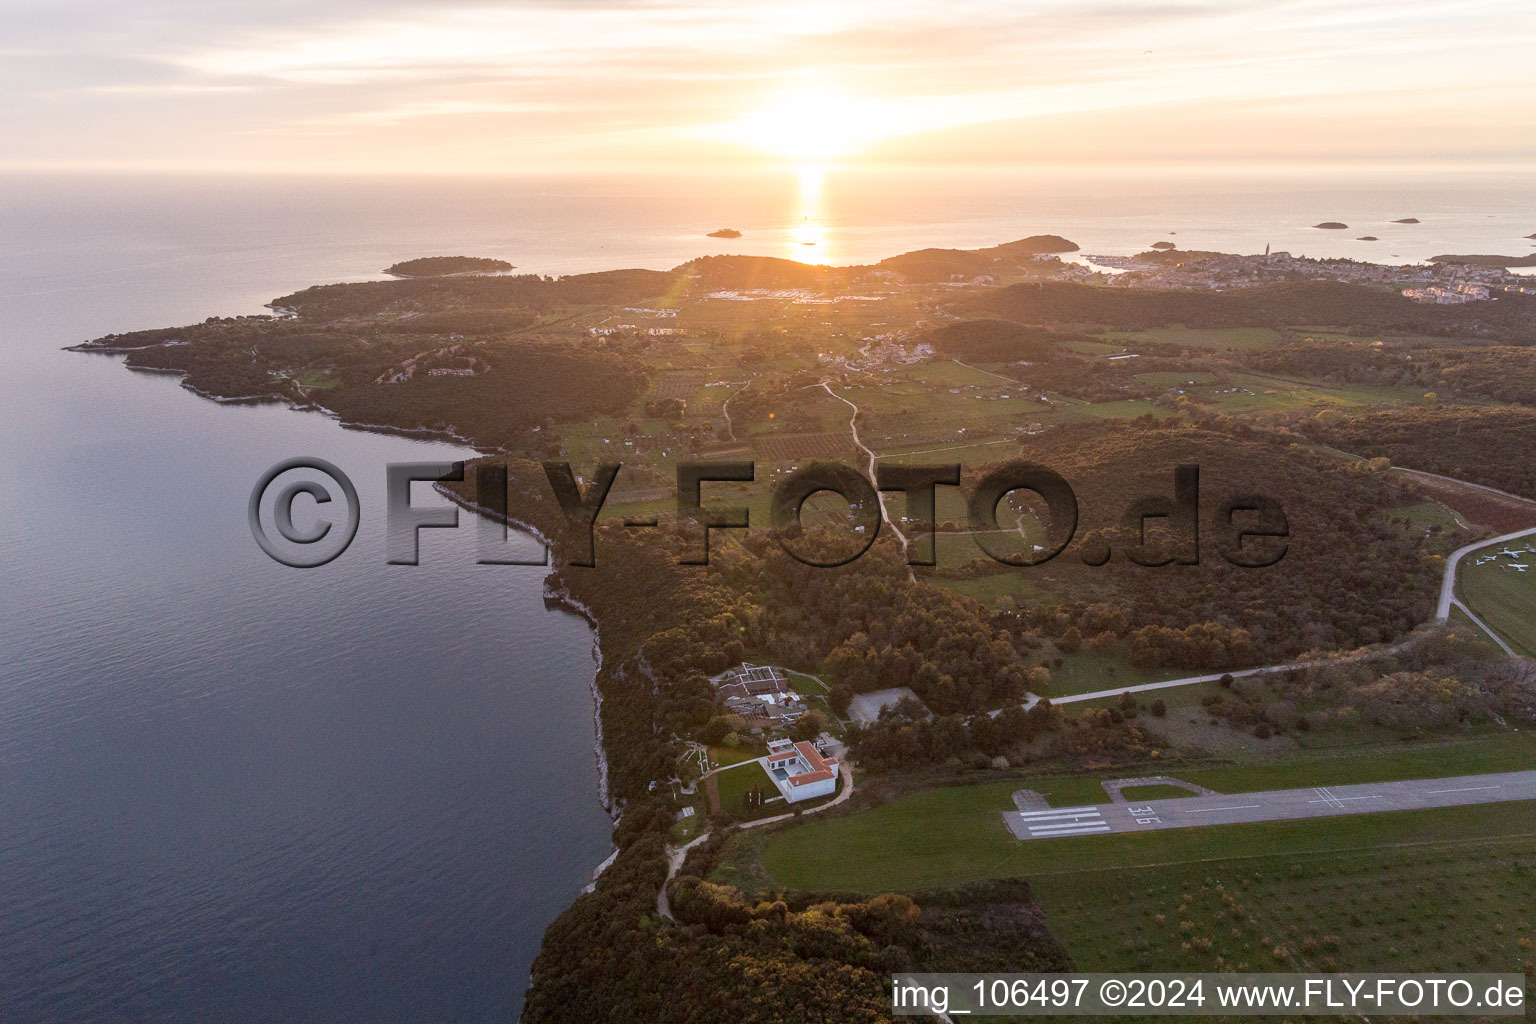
(600, 84)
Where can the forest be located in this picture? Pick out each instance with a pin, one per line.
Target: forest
(1488, 446)
(1360, 308)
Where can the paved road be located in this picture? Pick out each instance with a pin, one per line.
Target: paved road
(1275, 805)
(1448, 584)
(1448, 599)
(1363, 654)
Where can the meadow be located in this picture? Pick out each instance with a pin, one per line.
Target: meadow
(1503, 597)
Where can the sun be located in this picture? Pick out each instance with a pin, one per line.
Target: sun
(813, 123)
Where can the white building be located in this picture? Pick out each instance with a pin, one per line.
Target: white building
(800, 771)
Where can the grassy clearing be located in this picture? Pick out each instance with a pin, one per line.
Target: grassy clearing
(956, 834)
(1086, 671)
(992, 589)
(724, 755)
(734, 785)
(1427, 514)
(1239, 338)
(808, 686)
(1503, 597)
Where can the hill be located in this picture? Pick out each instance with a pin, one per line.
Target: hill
(928, 265)
(436, 294)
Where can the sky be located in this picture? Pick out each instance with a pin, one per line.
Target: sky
(594, 85)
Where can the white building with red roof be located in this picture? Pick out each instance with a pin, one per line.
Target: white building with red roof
(800, 770)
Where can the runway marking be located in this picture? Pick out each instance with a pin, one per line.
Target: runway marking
(1071, 821)
(1463, 789)
(1235, 807)
(1074, 811)
(1074, 830)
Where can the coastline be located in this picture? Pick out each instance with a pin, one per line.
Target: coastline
(310, 405)
(559, 597)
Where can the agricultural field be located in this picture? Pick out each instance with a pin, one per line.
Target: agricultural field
(1450, 891)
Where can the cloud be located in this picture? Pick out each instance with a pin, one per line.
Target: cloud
(638, 80)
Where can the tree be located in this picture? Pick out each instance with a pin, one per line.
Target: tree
(1159, 709)
(808, 727)
(714, 731)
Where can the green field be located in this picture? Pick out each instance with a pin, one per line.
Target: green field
(1128, 409)
(1445, 890)
(1503, 597)
(991, 589)
(736, 783)
(722, 755)
(1087, 671)
(945, 836)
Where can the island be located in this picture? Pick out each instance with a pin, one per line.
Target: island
(1367, 238)
(1164, 245)
(988, 708)
(448, 266)
(1487, 261)
(1331, 225)
(1407, 220)
(725, 233)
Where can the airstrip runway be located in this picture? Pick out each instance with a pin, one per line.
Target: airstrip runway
(1274, 805)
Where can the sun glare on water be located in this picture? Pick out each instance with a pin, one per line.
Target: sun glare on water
(812, 126)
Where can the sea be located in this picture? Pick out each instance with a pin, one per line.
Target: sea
(236, 791)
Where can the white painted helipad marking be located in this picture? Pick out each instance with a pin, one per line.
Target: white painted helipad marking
(1234, 807)
(1463, 789)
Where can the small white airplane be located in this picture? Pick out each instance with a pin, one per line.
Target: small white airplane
(1518, 567)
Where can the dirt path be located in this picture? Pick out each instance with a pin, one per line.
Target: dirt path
(885, 514)
(725, 410)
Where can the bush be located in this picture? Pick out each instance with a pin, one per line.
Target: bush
(1159, 709)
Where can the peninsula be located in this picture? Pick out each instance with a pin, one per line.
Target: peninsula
(957, 686)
